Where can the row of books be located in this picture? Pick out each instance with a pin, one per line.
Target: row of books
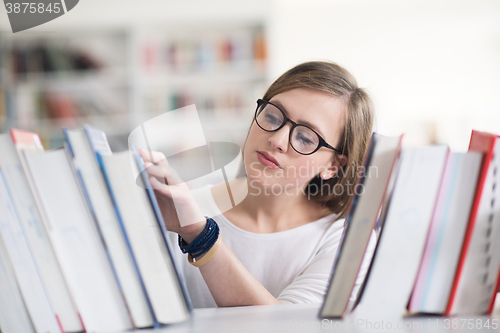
(46, 58)
(233, 49)
(82, 246)
(67, 108)
(438, 250)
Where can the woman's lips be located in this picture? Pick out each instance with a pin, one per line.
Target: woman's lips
(268, 160)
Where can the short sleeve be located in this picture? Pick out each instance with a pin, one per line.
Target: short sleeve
(311, 284)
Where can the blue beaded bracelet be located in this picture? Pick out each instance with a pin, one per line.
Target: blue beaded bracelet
(203, 243)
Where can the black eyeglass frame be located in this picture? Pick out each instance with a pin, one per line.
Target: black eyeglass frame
(322, 142)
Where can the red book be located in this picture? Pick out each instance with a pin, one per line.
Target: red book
(26, 140)
(477, 277)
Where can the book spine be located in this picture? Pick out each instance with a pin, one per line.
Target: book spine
(348, 220)
(97, 140)
(392, 172)
(497, 284)
(485, 164)
(125, 236)
(68, 141)
(355, 199)
(161, 223)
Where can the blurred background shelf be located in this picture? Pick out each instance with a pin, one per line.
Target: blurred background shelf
(220, 68)
(432, 67)
(118, 78)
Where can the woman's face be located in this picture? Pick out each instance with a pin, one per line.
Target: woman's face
(318, 110)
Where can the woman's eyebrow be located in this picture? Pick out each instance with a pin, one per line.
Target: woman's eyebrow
(303, 122)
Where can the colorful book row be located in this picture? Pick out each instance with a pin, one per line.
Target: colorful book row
(86, 247)
(438, 250)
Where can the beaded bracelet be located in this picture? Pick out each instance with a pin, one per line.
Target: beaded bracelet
(206, 257)
(203, 243)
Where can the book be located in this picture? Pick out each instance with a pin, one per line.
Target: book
(402, 239)
(145, 237)
(77, 242)
(374, 177)
(161, 224)
(14, 316)
(24, 267)
(446, 234)
(13, 169)
(83, 145)
(476, 280)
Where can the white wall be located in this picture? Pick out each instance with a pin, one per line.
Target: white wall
(118, 13)
(428, 64)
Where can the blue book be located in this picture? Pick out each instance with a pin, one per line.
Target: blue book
(161, 223)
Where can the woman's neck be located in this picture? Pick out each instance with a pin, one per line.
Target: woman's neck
(266, 213)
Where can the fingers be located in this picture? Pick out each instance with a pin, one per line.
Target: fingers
(155, 170)
(168, 190)
(160, 187)
(157, 166)
(163, 173)
(144, 155)
(152, 156)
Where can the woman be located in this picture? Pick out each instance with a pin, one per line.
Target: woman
(309, 134)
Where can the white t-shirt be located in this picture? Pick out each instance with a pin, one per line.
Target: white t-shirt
(293, 265)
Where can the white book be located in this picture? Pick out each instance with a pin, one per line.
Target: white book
(23, 265)
(36, 233)
(14, 317)
(397, 258)
(93, 183)
(370, 193)
(477, 279)
(145, 237)
(77, 243)
(446, 234)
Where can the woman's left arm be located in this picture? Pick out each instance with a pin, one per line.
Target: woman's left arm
(231, 284)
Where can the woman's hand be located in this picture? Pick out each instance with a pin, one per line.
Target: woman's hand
(179, 209)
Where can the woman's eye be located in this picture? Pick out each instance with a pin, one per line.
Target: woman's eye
(304, 140)
(272, 119)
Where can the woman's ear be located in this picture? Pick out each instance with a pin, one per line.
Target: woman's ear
(338, 162)
(341, 160)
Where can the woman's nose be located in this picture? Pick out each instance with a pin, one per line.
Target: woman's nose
(279, 139)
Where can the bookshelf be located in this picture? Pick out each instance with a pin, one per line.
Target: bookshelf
(221, 69)
(116, 79)
(68, 79)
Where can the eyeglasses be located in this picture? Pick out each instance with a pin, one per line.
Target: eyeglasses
(303, 139)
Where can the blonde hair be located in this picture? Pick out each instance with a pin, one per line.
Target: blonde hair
(331, 78)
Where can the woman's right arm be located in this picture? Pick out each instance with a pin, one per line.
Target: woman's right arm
(229, 282)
